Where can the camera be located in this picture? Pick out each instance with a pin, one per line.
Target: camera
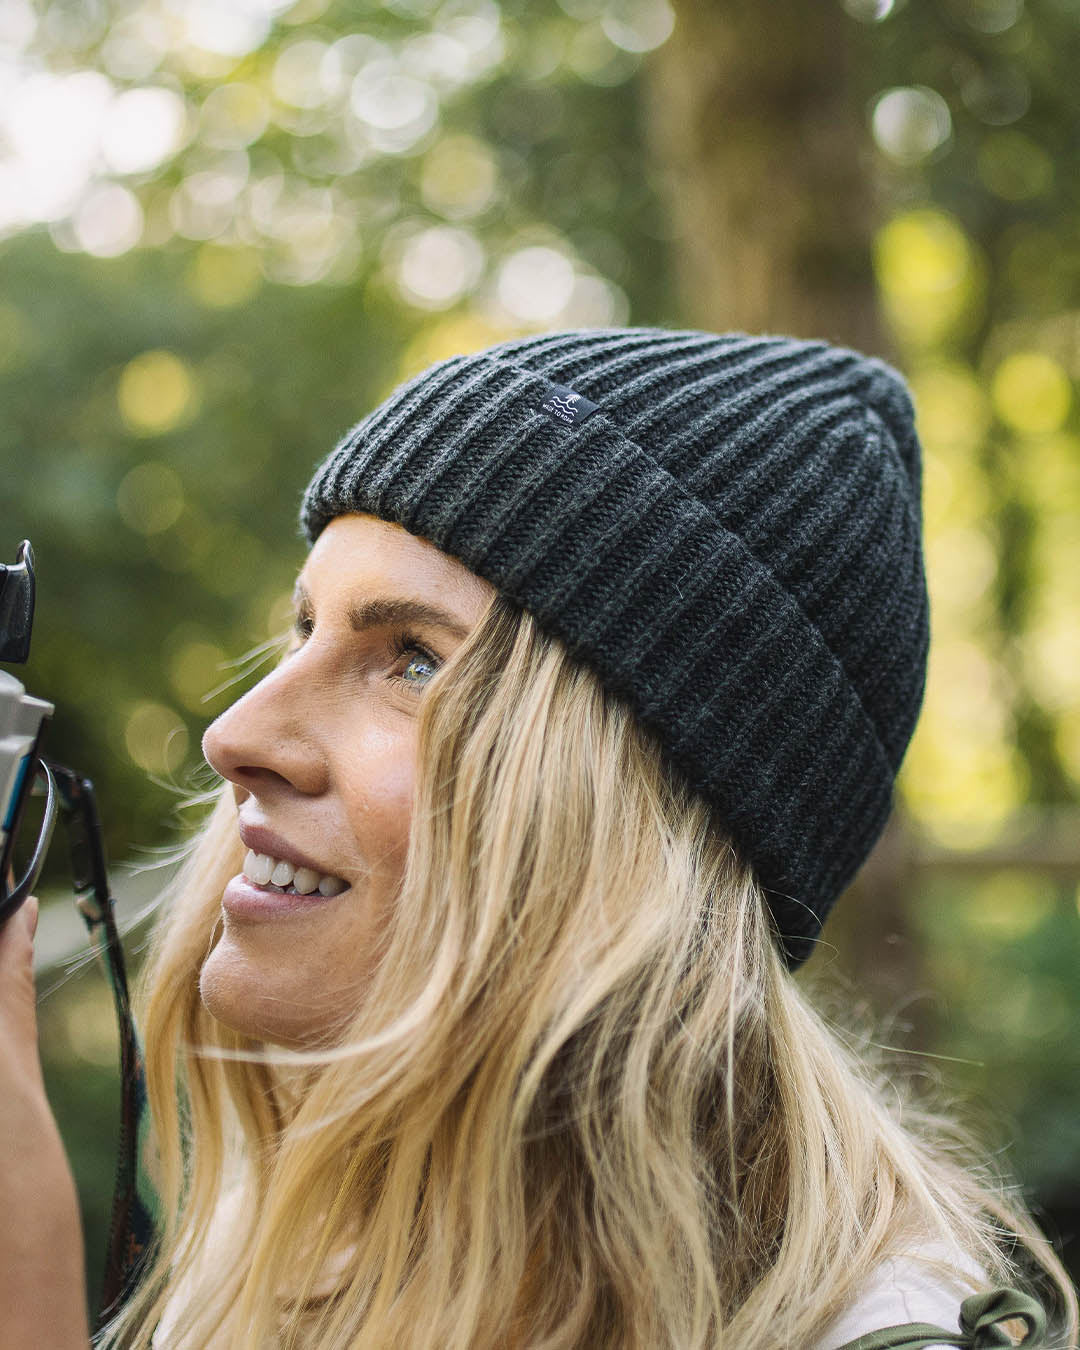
(22, 723)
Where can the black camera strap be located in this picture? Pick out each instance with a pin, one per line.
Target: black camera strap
(131, 1227)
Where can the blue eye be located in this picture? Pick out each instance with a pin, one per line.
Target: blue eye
(404, 644)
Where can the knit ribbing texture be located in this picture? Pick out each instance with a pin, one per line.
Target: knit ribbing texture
(727, 528)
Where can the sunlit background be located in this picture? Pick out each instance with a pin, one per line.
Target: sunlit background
(229, 227)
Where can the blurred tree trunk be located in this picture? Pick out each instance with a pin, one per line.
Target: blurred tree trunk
(755, 117)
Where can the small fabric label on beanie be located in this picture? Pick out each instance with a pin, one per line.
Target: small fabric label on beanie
(562, 405)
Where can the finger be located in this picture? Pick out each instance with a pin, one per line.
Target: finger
(18, 996)
(17, 934)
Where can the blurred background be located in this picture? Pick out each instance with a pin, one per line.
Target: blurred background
(229, 227)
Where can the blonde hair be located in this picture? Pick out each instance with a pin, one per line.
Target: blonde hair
(583, 1103)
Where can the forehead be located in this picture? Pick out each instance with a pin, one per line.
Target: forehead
(359, 554)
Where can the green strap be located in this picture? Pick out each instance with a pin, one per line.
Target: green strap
(979, 1330)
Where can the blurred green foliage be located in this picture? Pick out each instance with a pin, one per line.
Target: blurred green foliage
(1003, 956)
(200, 291)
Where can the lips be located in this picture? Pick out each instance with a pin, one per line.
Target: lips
(243, 901)
(261, 840)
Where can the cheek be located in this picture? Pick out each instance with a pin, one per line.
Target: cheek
(377, 779)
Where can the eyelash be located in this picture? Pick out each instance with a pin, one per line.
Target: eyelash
(402, 643)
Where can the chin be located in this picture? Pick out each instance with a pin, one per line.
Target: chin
(268, 997)
(239, 995)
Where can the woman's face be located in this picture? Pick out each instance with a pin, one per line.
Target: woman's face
(322, 758)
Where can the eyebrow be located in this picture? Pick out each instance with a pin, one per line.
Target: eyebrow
(382, 611)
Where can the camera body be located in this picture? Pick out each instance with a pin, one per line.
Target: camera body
(22, 718)
(22, 723)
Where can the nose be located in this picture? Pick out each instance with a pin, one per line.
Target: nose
(268, 740)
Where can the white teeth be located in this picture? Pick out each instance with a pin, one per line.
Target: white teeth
(257, 867)
(305, 880)
(282, 874)
(264, 870)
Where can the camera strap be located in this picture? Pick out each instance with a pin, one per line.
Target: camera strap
(131, 1226)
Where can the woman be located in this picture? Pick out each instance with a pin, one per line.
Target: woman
(478, 980)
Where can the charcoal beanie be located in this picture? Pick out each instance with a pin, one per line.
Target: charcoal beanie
(725, 527)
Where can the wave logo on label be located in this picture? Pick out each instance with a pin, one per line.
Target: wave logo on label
(566, 406)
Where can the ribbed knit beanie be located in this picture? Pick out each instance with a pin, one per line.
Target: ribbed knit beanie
(725, 527)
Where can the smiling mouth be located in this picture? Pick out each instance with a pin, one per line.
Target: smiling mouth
(285, 878)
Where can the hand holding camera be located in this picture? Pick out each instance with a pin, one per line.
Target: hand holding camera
(42, 1271)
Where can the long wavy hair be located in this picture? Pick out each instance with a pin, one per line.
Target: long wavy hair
(582, 1103)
